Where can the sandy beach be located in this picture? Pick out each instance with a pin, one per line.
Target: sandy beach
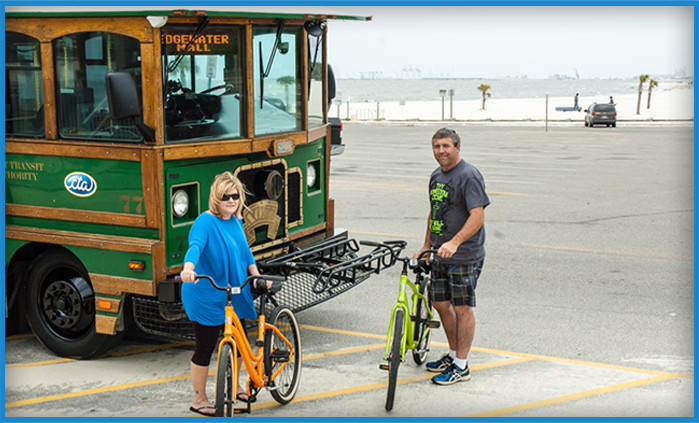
(669, 104)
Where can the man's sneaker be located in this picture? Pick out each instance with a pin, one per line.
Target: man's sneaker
(440, 365)
(452, 375)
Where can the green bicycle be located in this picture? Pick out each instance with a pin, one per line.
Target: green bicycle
(411, 321)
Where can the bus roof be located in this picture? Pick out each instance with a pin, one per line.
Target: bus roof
(295, 12)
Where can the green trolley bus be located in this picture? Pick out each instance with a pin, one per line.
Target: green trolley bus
(116, 122)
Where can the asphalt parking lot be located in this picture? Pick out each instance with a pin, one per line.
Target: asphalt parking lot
(585, 305)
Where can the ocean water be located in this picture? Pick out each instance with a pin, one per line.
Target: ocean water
(358, 90)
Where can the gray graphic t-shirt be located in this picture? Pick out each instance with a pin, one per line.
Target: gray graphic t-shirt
(452, 195)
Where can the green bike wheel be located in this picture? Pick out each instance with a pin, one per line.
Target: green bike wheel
(394, 357)
(224, 382)
(281, 359)
(422, 334)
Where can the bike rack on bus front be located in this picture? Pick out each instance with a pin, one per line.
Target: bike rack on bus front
(314, 274)
(327, 269)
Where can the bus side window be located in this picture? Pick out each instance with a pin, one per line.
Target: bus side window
(24, 110)
(82, 62)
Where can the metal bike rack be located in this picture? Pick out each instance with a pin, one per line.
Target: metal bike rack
(314, 274)
(326, 270)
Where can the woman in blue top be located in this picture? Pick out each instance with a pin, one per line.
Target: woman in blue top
(218, 248)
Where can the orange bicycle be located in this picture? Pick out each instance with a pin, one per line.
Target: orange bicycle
(277, 364)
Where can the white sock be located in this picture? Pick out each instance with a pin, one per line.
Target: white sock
(452, 354)
(462, 363)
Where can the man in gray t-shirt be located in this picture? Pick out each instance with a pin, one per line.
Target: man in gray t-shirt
(455, 228)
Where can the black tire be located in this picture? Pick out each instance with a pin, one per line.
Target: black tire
(394, 357)
(224, 382)
(614, 125)
(422, 334)
(278, 355)
(586, 124)
(60, 306)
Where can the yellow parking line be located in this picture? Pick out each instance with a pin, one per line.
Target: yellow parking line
(379, 385)
(160, 380)
(18, 336)
(342, 352)
(93, 391)
(516, 354)
(40, 363)
(519, 358)
(572, 397)
(112, 354)
(343, 332)
(586, 363)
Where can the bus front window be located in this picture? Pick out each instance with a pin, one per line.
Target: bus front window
(277, 79)
(203, 82)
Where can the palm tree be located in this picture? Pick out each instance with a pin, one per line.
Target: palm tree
(484, 88)
(642, 79)
(651, 84)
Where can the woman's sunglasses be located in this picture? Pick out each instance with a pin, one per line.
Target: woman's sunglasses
(227, 197)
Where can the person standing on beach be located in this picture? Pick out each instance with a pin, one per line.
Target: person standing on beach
(611, 100)
(576, 106)
(455, 227)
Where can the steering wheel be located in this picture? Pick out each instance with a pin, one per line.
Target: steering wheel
(228, 89)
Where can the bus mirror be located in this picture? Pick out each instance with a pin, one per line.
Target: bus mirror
(122, 96)
(331, 84)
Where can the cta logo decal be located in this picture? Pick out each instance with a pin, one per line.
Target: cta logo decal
(80, 184)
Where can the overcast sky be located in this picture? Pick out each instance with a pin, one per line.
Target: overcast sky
(488, 42)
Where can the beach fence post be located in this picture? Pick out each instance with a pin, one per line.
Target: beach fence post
(348, 111)
(547, 112)
(442, 93)
(451, 103)
(378, 116)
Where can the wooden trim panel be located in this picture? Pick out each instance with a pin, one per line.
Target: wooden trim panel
(318, 132)
(47, 73)
(67, 149)
(46, 29)
(76, 239)
(105, 325)
(151, 168)
(207, 150)
(76, 215)
(114, 285)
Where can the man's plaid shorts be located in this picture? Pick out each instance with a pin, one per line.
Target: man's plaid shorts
(455, 283)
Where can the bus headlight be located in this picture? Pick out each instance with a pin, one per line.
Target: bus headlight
(310, 175)
(180, 203)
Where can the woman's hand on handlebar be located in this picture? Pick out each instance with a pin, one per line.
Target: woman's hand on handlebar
(187, 274)
(268, 283)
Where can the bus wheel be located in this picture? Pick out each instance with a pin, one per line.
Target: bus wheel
(60, 306)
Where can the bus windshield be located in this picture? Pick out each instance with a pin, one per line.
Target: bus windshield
(203, 84)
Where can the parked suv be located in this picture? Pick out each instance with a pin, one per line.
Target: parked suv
(600, 114)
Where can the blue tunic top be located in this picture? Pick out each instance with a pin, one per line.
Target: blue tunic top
(217, 248)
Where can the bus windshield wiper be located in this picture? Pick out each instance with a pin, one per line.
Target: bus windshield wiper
(265, 73)
(197, 33)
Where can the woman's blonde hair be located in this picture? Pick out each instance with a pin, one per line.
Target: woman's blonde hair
(223, 183)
